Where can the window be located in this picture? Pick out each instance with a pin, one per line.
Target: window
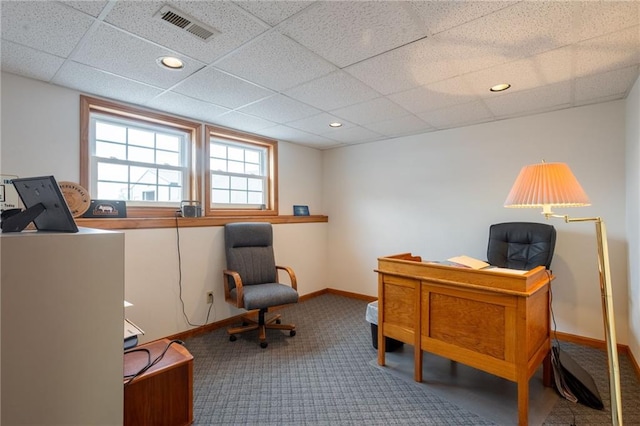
(141, 157)
(240, 173)
(155, 161)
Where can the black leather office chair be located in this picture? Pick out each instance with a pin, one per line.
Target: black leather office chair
(251, 278)
(521, 245)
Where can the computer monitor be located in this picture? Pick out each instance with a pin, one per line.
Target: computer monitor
(45, 207)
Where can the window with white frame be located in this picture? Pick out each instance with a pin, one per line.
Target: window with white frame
(138, 162)
(241, 173)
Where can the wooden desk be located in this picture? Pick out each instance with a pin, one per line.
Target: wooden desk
(162, 395)
(496, 322)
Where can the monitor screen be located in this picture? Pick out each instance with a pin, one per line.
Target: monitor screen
(45, 190)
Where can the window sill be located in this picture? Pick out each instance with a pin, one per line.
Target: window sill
(190, 222)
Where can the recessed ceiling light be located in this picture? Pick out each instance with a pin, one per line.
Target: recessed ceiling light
(170, 62)
(500, 87)
(335, 124)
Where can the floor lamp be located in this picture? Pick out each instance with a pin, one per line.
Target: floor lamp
(548, 185)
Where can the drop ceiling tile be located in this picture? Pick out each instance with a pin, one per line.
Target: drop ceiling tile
(407, 125)
(458, 115)
(355, 134)
(597, 18)
(237, 120)
(185, 106)
(90, 80)
(372, 111)
(92, 8)
(234, 25)
(416, 64)
(276, 62)
(605, 85)
(612, 51)
(516, 32)
(48, 26)
(524, 74)
(135, 58)
(546, 98)
(442, 15)
(221, 89)
(285, 133)
(273, 12)
(28, 62)
(319, 124)
(346, 32)
(333, 91)
(280, 109)
(434, 96)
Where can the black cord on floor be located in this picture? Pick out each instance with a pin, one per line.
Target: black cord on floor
(184, 312)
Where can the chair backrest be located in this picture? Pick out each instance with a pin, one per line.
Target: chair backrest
(521, 245)
(249, 251)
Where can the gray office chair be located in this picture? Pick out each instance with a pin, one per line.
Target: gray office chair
(521, 245)
(251, 278)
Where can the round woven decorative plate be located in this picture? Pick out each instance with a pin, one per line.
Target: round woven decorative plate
(77, 197)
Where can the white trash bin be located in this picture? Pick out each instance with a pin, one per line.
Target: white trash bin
(372, 317)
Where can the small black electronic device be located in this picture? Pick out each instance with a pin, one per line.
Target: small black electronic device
(190, 208)
(45, 206)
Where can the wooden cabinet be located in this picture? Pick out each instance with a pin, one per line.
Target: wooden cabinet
(62, 316)
(163, 394)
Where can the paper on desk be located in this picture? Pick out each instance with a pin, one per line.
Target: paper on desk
(507, 270)
(130, 329)
(469, 262)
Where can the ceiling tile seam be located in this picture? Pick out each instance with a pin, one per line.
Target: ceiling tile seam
(85, 37)
(249, 15)
(382, 53)
(482, 17)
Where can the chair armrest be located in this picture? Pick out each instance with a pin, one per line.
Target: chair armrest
(226, 274)
(292, 276)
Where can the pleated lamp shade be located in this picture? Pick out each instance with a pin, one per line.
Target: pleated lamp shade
(546, 185)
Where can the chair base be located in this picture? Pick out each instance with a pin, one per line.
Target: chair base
(261, 324)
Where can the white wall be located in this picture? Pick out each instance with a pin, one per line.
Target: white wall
(436, 194)
(633, 214)
(40, 136)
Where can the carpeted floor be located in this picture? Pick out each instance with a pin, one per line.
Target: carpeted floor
(327, 375)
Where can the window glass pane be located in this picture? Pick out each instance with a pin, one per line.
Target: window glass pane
(168, 142)
(219, 165)
(255, 198)
(143, 175)
(252, 156)
(255, 184)
(168, 158)
(219, 181)
(111, 150)
(236, 167)
(112, 191)
(169, 177)
(143, 155)
(111, 132)
(141, 138)
(139, 192)
(220, 196)
(113, 172)
(238, 197)
(236, 154)
(175, 194)
(219, 151)
(252, 169)
(238, 183)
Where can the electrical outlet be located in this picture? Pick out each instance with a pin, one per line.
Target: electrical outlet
(209, 297)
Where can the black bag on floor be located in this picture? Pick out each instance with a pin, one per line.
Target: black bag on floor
(577, 379)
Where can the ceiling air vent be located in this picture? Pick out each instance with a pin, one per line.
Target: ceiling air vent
(187, 23)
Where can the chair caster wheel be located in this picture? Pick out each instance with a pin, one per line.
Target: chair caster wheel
(263, 345)
(292, 333)
(278, 321)
(232, 338)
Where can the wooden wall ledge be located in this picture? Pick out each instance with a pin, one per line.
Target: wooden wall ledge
(190, 222)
